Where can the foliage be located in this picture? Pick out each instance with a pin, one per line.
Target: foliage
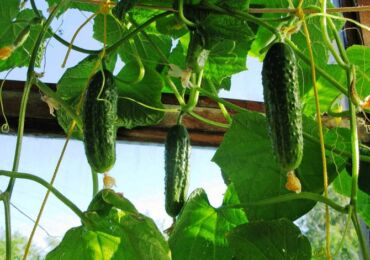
(156, 46)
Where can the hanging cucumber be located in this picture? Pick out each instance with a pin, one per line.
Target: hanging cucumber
(197, 55)
(177, 150)
(99, 116)
(283, 108)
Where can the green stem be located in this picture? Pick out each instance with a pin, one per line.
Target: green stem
(181, 14)
(290, 197)
(221, 101)
(22, 114)
(326, 38)
(222, 106)
(74, 47)
(8, 228)
(50, 93)
(138, 29)
(194, 94)
(360, 235)
(175, 91)
(166, 110)
(44, 183)
(95, 182)
(207, 121)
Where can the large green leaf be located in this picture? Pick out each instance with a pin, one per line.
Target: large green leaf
(8, 11)
(246, 157)
(343, 185)
(360, 57)
(122, 233)
(200, 230)
(148, 92)
(226, 58)
(264, 240)
(10, 30)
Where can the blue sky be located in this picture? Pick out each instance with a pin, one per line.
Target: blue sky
(139, 170)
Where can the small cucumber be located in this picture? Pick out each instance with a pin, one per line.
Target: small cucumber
(177, 150)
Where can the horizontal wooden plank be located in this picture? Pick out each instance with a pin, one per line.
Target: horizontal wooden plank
(40, 122)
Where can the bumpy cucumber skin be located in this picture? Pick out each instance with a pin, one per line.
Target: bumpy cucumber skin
(177, 151)
(282, 104)
(99, 115)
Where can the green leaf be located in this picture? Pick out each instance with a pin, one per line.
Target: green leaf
(114, 30)
(359, 56)
(147, 91)
(276, 239)
(171, 25)
(148, 54)
(90, 7)
(72, 85)
(123, 233)
(8, 11)
(343, 185)
(10, 30)
(327, 93)
(246, 157)
(226, 58)
(200, 229)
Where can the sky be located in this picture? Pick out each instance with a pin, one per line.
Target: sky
(139, 170)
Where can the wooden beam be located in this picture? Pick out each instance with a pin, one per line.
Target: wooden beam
(365, 19)
(40, 122)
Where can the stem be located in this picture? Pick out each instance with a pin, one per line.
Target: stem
(50, 93)
(290, 197)
(208, 121)
(95, 182)
(138, 29)
(166, 110)
(74, 37)
(8, 229)
(175, 91)
(37, 221)
(222, 106)
(194, 94)
(22, 115)
(220, 100)
(346, 228)
(74, 47)
(326, 38)
(319, 122)
(360, 235)
(44, 183)
(181, 14)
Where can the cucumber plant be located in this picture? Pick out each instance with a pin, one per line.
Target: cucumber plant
(192, 48)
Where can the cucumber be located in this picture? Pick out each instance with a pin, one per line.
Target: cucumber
(99, 116)
(282, 104)
(177, 151)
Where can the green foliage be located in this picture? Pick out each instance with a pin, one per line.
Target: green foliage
(111, 235)
(202, 228)
(275, 239)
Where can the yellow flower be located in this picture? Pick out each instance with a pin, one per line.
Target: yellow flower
(293, 183)
(6, 52)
